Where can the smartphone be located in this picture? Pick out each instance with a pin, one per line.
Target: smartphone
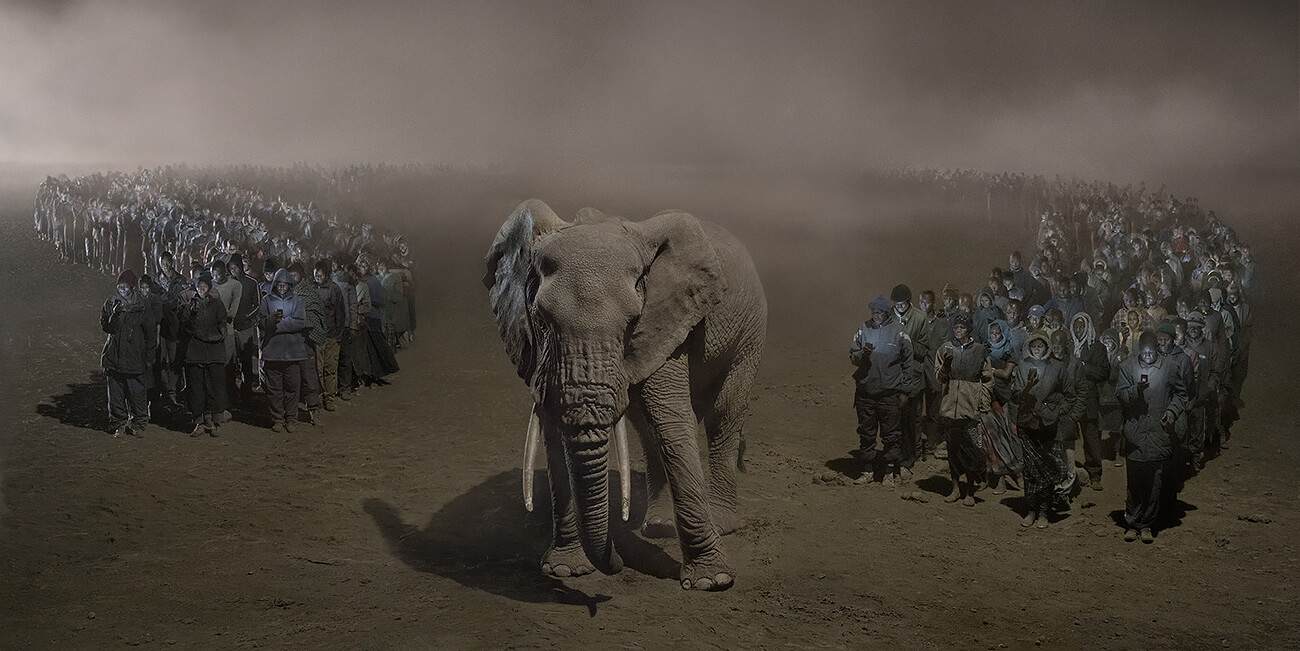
(1144, 378)
(280, 313)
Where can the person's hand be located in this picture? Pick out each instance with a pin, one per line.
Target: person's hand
(1168, 418)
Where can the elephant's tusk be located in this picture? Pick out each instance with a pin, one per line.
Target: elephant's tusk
(624, 466)
(531, 441)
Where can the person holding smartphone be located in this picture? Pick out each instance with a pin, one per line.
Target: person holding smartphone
(125, 357)
(282, 320)
(1041, 396)
(1153, 394)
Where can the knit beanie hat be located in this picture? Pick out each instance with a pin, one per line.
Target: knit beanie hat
(127, 276)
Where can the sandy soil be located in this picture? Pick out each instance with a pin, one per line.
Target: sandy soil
(399, 523)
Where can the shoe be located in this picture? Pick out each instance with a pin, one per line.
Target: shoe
(1029, 519)
(224, 418)
(1001, 486)
(345, 395)
(1095, 482)
(953, 496)
(890, 480)
(1042, 522)
(212, 431)
(969, 500)
(278, 427)
(1147, 536)
(288, 427)
(904, 475)
(865, 479)
(329, 405)
(1130, 535)
(135, 430)
(198, 429)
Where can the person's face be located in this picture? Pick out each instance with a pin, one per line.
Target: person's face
(995, 333)
(949, 302)
(1151, 299)
(985, 301)
(167, 264)
(925, 303)
(235, 269)
(1195, 330)
(1182, 308)
(1164, 341)
(1013, 313)
(964, 303)
(1037, 348)
(1058, 345)
(297, 277)
(144, 287)
(1014, 261)
(1130, 300)
(878, 317)
(960, 331)
(1079, 328)
(1036, 272)
(202, 289)
(1053, 323)
(1180, 332)
(219, 272)
(318, 275)
(994, 284)
(382, 269)
(1034, 322)
(1234, 298)
(1133, 320)
(282, 289)
(1148, 354)
(1008, 283)
(1227, 274)
(124, 289)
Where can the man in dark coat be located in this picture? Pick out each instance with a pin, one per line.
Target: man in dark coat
(203, 319)
(1151, 391)
(244, 376)
(882, 353)
(126, 319)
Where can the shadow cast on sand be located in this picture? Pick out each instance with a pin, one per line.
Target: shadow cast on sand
(85, 406)
(485, 540)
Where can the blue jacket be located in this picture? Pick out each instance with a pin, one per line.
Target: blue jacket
(285, 340)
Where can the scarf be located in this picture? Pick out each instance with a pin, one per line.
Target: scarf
(1002, 349)
(1089, 333)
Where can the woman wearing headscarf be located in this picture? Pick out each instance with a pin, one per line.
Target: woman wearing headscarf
(1095, 366)
(1040, 395)
(985, 312)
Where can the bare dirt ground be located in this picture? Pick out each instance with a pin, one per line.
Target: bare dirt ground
(399, 523)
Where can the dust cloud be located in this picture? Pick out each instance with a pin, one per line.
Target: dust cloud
(1100, 90)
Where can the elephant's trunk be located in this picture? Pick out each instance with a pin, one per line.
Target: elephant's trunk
(588, 454)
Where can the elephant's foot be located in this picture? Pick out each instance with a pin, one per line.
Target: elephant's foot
(709, 572)
(567, 561)
(726, 521)
(660, 520)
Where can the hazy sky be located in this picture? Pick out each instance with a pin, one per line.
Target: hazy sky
(1108, 89)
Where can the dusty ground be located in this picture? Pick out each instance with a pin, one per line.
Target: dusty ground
(399, 523)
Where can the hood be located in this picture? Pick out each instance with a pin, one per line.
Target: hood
(283, 276)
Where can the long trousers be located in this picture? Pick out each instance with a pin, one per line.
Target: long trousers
(127, 400)
(1093, 454)
(310, 379)
(327, 363)
(346, 373)
(283, 384)
(879, 414)
(1145, 479)
(207, 389)
(169, 370)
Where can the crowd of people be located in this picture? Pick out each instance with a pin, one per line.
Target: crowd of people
(1127, 331)
(266, 306)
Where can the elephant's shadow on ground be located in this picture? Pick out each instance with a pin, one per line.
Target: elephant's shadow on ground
(484, 539)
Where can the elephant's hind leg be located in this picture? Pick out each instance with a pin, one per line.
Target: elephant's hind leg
(724, 425)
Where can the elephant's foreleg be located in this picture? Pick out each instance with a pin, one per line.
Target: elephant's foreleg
(666, 395)
(659, 521)
(566, 556)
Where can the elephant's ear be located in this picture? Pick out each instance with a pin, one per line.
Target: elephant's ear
(683, 282)
(509, 275)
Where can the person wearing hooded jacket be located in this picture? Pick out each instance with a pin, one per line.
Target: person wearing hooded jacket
(126, 319)
(914, 323)
(1095, 366)
(282, 320)
(1039, 393)
(882, 353)
(1153, 395)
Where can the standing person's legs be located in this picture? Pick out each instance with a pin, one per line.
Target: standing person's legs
(345, 376)
(890, 414)
(327, 360)
(276, 391)
(245, 374)
(168, 369)
(197, 397)
(294, 382)
(310, 381)
(1142, 504)
(1092, 452)
(868, 424)
(215, 379)
(118, 413)
(138, 401)
(909, 441)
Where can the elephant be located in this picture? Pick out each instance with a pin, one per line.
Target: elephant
(659, 324)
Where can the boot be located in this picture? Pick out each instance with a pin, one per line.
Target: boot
(969, 500)
(956, 491)
(1000, 486)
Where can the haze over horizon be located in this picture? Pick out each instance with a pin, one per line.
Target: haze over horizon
(1101, 90)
